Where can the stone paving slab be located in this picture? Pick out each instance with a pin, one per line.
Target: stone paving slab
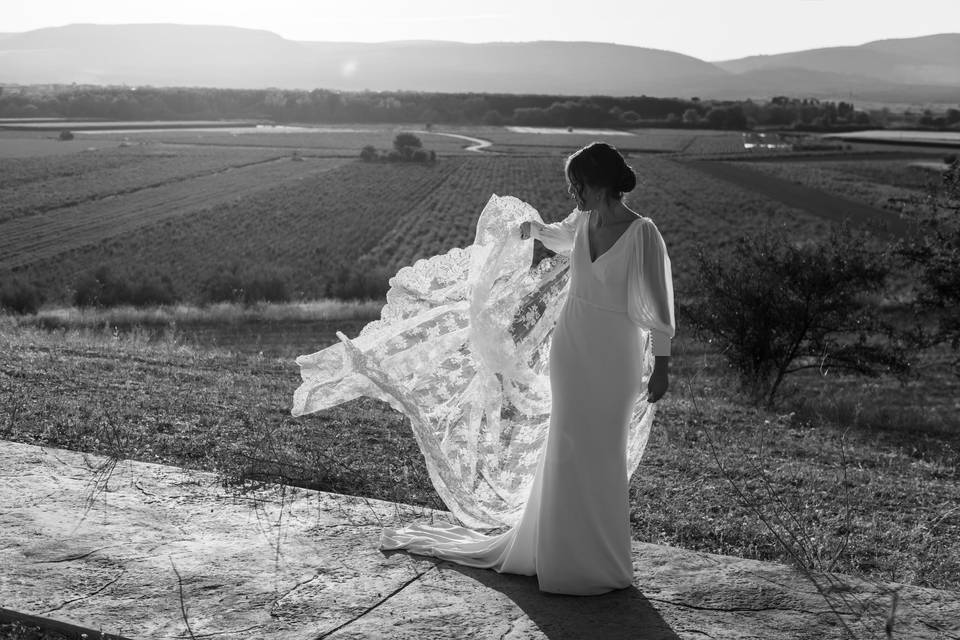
(144, 550)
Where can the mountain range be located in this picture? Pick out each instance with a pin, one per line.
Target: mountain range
(912, 70)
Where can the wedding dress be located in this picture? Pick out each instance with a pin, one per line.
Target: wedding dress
(525, 389)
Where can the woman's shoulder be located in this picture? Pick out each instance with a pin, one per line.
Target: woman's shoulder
(643, 223)
(645, 230)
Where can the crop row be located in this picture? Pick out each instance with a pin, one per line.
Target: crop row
(383, 216)
(693, 210)
(305, 229)
(35, 185)
(116, 222)
(447, 217)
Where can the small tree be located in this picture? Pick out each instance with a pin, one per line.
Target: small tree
(406, 143)
(691, 116)
(368, 153)
(775, 308)
(224, 285)
(265, 286)
(935, 254)
(20, 297)
(102, 288)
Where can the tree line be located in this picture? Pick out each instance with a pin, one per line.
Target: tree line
(404, 107)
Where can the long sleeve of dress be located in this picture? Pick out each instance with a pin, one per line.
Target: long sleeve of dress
(650, 288)
(557, 236)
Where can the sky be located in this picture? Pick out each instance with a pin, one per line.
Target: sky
(710, 30)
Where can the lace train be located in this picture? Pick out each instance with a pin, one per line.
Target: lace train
(461, 349)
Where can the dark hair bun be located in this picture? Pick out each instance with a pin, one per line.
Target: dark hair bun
(628, 179)
(600, 165)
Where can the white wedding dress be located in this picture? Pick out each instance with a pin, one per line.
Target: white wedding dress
(525, 389)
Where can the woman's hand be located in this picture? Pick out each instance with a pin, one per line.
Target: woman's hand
(659, 380)
(525, 230)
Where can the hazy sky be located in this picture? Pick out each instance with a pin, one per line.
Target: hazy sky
(711, 30)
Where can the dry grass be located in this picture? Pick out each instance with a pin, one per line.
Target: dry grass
(214, 314)
(875, 499)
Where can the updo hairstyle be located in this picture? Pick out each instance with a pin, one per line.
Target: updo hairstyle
(600, 165)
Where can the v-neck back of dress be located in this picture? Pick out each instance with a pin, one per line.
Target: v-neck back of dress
(593, 260)
(602, 282)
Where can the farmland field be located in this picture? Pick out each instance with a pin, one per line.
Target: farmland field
(943, 138)
(307, 219)
(529, 141)
(196, 388)
(340, 141)
(35, 185)
(891, 185)
(20, 145)
(773, 181)
(49, 232)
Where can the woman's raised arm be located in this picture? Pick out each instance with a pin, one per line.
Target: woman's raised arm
(557, 236)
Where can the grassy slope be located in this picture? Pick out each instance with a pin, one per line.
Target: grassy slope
(879, 499)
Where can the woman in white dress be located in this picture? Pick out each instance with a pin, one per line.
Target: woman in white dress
(608, 360)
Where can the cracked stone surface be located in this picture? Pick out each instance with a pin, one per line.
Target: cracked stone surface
(129, 547)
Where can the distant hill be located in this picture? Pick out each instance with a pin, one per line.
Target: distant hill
(799, 82)
(908, 70)
(927, 60)
(178, 55)
(156, 54)
(575, 68)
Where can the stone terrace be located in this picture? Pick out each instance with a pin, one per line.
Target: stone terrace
(149, 551)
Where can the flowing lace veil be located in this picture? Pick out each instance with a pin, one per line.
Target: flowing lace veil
(461, 349)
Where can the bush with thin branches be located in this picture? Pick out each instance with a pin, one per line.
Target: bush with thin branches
(934, 253)
(774, 307)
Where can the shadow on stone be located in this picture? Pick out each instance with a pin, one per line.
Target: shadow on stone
(619, 615)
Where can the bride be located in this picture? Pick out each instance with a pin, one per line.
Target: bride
(530, 391)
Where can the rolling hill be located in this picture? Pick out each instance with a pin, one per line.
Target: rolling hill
(927, 60)
(905, 70)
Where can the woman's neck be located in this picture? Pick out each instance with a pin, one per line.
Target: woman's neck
(613, 212)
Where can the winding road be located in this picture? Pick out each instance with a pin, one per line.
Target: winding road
(479, 144)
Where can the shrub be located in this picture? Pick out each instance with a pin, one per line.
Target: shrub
(406, 148)
(775, 308)
(19, 297)
(358, 283)
(934, 253)
(99, 289)
(104, 288)
(224, 285)
(231, 284)
(265, 287)
(66, 134)
(146, 291)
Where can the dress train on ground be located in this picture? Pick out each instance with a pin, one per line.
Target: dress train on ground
(523, 389)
